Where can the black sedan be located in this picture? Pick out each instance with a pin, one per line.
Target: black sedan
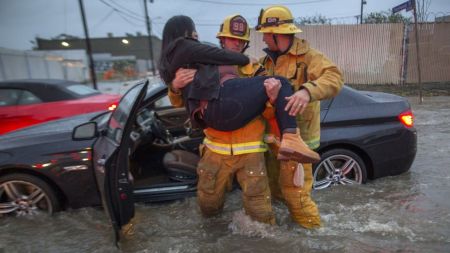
(146, 151)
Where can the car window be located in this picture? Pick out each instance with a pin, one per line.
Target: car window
(82, 90)
(120, 116)
(9, 97)
(163, 102)
(28, 98)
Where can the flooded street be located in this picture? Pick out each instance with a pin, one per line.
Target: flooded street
(406, 213)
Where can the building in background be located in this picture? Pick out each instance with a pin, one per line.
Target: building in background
(442, 19)
(114, 57)
(56, 64)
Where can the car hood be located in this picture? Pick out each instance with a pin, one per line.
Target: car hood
(52, 131)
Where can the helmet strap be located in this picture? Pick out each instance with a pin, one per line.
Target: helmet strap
(291, 41)
(221, 43)
(275, 39)
(247, 45)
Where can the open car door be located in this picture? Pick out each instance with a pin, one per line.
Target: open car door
(111, 160)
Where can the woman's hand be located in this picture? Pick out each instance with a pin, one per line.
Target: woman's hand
(273, 86)
(297, 102)
(182, 78)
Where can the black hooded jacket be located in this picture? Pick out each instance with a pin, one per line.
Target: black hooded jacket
(190, 53)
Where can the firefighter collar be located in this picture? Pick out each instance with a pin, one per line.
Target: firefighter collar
(299, 47)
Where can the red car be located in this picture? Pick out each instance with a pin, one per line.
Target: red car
(28, 102)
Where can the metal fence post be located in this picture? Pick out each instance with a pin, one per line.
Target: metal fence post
(418, 54)
(405, 45)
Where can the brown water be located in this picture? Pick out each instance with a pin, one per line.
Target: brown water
(406, 213)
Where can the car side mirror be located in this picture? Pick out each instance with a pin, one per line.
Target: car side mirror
(85, 131)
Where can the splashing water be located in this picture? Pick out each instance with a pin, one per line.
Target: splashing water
(242, 224)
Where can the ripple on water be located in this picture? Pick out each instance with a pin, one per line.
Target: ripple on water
(242, 224)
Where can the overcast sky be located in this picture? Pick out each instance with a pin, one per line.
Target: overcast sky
(23, 20)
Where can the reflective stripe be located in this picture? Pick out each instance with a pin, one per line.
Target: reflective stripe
(220, 148)
(314, 143)
(249, 147)
(237, 149)
(247, 144)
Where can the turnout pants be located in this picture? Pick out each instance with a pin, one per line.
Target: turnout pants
(301, 207)
(216, 173)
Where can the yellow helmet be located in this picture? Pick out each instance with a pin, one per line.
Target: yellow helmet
(234, 26)
(276, 19)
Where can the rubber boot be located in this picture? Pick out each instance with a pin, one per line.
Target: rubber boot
(302, 208)
(294, 148)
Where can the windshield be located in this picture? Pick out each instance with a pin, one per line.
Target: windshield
(121, 114)
(154, 88)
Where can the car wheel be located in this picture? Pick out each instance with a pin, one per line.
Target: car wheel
(339, 167)
(23, 194)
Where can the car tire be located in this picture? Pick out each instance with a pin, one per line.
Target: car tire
(24, 194)
(330, 170)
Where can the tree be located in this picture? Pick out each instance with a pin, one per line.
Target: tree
(385, 17)
(314, 20)
(422, 8)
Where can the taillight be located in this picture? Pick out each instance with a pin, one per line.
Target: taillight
(112, 107)
(407, 118)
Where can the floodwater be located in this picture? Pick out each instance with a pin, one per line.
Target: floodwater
(406, 213)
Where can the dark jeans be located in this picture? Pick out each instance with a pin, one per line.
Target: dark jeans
(242, 99)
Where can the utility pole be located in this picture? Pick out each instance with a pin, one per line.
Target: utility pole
(363, 2)
(417, 51)
(88, 46)
(149, 31)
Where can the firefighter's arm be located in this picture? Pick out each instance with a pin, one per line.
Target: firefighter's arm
(325, 79)
(182, 78)
(205, 54)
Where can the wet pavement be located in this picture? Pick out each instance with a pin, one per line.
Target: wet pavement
(406, 213)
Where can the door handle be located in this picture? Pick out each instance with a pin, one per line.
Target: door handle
(101, 161)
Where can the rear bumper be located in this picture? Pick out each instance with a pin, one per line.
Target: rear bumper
(395, 157)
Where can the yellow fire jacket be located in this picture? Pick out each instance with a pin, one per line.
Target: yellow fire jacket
(309, 69)
(248, 139)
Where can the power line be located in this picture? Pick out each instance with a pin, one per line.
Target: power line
(103, 19)
(155, 31)
(260, 4)
(196, 24)
(122, 12)
(127, 20)
(126, 9)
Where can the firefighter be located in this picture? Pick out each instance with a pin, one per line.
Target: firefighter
(313, 77)
(239, 153)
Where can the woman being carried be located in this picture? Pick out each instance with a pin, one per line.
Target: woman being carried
(217, 97)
